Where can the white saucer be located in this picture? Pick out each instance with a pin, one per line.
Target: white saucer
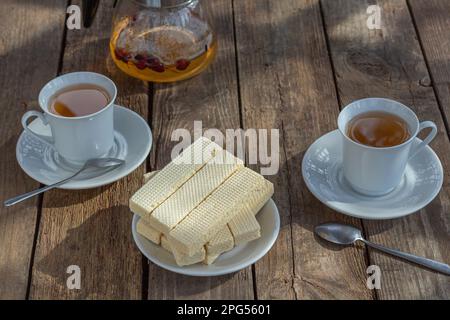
(238, 258)
(132, 142)
(322, 172)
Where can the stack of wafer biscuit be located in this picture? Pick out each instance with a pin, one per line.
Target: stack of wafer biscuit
(202, 204)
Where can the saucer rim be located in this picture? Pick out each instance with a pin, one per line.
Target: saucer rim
(400, 213)
(100, 183)
(205, 269)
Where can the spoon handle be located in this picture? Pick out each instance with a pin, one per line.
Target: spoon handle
(25, 196)
(428, 263)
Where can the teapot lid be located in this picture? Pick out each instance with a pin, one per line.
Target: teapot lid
(164, 3)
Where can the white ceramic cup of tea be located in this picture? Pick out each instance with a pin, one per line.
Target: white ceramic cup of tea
(78, 138)
(376, 171)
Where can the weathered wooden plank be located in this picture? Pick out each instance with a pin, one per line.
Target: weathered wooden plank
(389, 63)
(24, 70)
(211, 98)
(91, 228)
(286, 83)
(432, 18)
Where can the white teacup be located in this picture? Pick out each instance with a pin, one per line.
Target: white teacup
(76, 139)
(377, 171)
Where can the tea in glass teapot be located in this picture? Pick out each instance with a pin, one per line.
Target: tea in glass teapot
(162, 40)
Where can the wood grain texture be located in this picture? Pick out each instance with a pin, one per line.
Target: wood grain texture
(212, 99)
(286, 83)
(389, 63)
(91, 228)
(432, 18)
(25, 28)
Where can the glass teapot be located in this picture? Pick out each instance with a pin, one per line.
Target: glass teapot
(162, 40)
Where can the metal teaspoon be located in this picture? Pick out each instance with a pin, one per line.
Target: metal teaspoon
(346, 235)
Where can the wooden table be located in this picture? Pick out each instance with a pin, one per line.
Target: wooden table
(286, 64)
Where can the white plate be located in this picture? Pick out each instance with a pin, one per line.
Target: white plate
(322, 172)
(132, 142)
(236, 259)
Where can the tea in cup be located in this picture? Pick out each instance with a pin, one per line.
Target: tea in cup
(79, 100)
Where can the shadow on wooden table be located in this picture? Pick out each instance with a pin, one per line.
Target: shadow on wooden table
(165, 284)
(103, 275)
(59, 198)
(95, 250)
(319, 213)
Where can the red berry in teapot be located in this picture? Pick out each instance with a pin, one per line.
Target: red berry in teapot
(141, 65)
(158, 67)
(182, 64)
(140, 56)
(121, 54)
(153, 61)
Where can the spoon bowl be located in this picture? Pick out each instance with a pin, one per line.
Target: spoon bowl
(338, 233)
(102, 163)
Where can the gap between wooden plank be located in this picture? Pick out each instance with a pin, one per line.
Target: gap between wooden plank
(63, 42)
(41, 196)
(33, 250)
(330, 57)
(238, 80)
(241, 119)
(145, 262)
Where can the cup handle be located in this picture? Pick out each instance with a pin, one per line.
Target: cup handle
(40, 115)
(427, 140)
